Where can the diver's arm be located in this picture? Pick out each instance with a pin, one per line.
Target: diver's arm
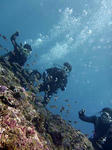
(13, 40)
(83, 117)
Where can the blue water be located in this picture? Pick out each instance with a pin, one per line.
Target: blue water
(79, 32)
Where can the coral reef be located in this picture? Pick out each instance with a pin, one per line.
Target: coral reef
(26, 124)
(16, 132)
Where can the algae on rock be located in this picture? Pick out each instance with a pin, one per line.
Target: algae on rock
(27, 125)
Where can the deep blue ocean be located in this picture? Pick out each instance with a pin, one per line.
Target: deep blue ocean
(74, 31)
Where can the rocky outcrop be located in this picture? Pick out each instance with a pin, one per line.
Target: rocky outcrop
(25, 124)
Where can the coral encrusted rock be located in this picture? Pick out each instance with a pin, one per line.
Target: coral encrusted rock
(25, 124)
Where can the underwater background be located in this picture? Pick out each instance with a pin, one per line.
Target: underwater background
(78, 32)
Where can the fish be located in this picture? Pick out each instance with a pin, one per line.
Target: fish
(67, 111)
(62, 109)
(75, 122)
(27, 65)
(53, 106)
(66, 100)
(55, 98)
(4, 37)
(68, 105)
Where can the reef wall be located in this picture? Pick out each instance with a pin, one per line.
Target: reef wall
(25, 125)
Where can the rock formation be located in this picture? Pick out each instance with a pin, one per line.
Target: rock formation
(24, 123)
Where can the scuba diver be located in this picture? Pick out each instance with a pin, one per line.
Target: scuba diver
(102, 138)
(53, 79)
(20, 53)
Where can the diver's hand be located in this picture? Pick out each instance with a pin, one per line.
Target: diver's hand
(17, 33)
(81, 112)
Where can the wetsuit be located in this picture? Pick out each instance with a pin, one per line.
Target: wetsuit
(101, 133)
(19, 55)
(53, 79)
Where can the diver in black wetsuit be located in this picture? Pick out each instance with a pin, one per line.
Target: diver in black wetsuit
(102, 138)
(20, 53)
(53, 79)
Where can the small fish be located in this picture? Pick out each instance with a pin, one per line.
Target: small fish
(27, 65)
(62, 109)
(4, 37)
(53, 106)
(67, 111)
(68, 105)
(66, 100)
(69, 121)
(55, 98)
(75, 122)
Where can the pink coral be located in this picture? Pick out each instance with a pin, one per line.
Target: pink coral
(18, 135)
(3, 88)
